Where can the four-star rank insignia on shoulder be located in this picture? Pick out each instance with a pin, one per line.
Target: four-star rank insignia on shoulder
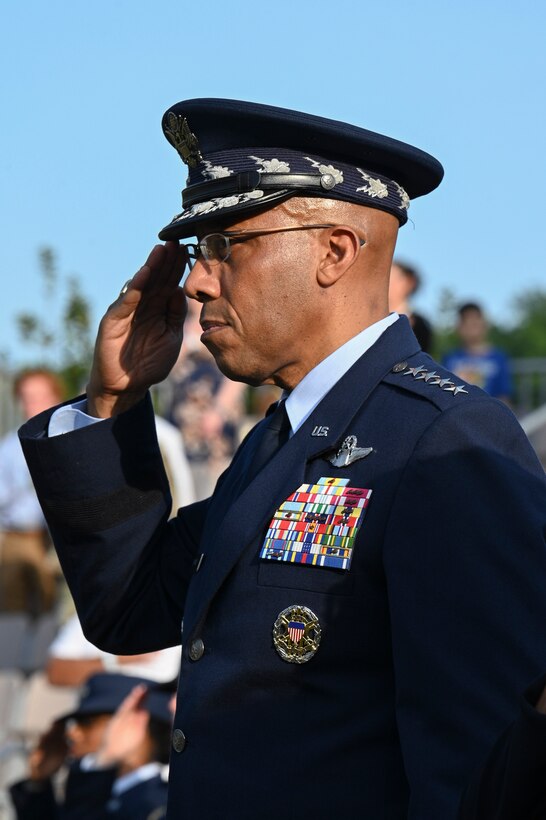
(430, 377)
(317, 525)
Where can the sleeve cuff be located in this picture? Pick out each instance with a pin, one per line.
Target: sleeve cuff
(70, 417)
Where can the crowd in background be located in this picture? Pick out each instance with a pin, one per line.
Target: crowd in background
(113, 743)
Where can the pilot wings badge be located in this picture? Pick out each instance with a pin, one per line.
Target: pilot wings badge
(349, 452)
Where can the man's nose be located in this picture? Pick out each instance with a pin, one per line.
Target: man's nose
(203, 282)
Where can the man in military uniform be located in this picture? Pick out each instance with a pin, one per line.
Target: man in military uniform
(363, 595)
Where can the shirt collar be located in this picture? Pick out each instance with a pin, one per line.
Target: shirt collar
(127, 781)
(301, 402)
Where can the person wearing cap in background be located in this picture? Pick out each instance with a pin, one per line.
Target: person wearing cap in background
(117, 743)
(363, 594)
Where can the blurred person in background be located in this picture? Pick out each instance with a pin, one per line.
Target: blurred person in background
(175, 461)
(27, 578)
(206, 407)
(404, 282)
(115, 745)
(477, 361)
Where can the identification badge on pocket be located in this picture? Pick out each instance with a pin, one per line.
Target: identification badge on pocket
(317, 525)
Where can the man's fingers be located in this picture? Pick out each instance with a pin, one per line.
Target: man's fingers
(177, 308)
(159, 276)
(166, 263)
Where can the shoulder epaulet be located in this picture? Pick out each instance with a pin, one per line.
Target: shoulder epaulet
(425, 377)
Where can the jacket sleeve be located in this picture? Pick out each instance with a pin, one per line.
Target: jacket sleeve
(88, 793)
(106, 499)
(511, 785)
(465, 566)
(32, 800)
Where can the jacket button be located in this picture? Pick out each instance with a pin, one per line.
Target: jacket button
(197, 649)
(179, 740)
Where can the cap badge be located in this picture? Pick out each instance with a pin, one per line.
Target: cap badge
(178, 133)
(296, 634)
(349, 452)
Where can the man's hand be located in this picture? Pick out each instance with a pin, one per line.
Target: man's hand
(140, 335)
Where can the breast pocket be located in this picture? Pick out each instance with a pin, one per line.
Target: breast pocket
(305, 577)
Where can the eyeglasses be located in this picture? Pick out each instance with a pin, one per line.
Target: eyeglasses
(216, 247)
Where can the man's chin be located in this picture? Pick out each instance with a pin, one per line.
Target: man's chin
(236, 371)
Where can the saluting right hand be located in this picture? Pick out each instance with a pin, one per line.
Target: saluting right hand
(140, 335)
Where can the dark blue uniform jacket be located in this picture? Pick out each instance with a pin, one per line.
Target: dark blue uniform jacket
(427, 641)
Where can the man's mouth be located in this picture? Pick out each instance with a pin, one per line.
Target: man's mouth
(211, 326)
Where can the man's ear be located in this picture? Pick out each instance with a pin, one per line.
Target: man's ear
(342, 250)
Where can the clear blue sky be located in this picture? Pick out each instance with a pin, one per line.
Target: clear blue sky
(85, 168)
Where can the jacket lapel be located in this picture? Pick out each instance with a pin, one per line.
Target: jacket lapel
(234, 519)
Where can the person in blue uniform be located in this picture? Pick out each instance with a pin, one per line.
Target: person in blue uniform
(361, 600)
(115, 744)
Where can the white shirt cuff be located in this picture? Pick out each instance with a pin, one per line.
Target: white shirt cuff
(69, 418)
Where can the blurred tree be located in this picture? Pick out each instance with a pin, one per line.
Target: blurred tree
(527, 336)
(66, 347)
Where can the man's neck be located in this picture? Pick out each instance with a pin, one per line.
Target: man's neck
(325, 347)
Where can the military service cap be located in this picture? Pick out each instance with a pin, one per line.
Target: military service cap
(103, 693)
(244, 157)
